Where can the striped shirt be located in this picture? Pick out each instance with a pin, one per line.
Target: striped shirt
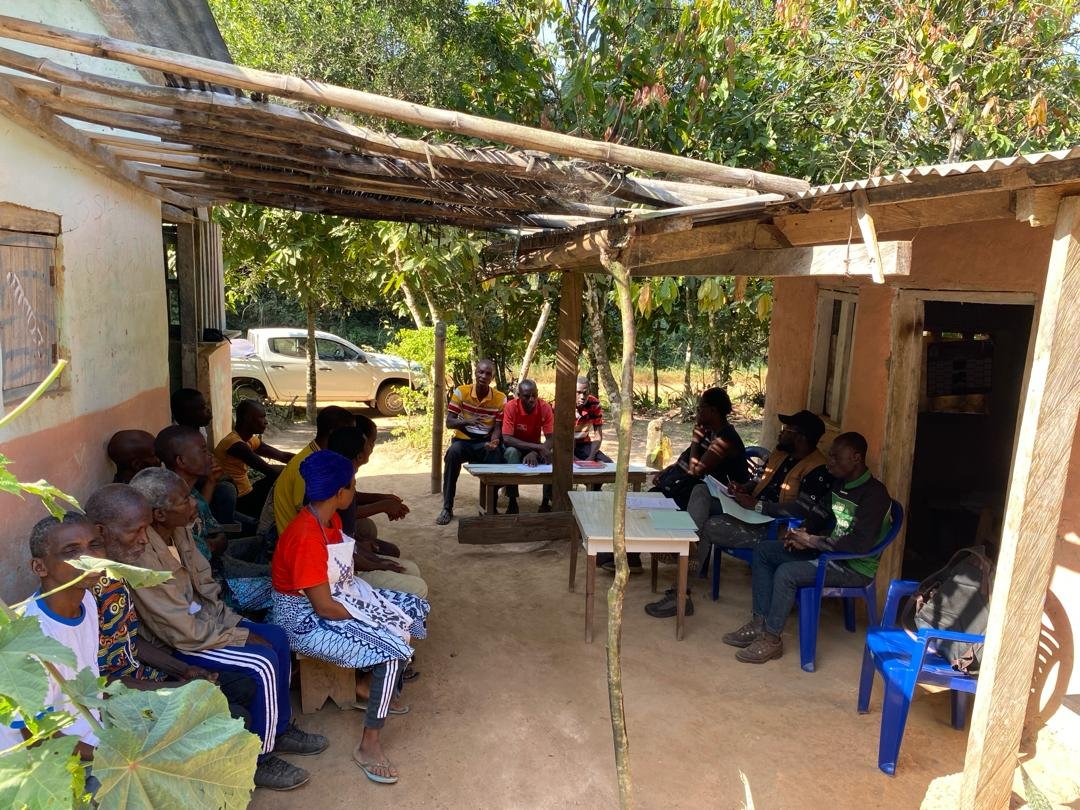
(590, 419)
(463, 402)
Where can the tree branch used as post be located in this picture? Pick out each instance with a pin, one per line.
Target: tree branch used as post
(616, 594)
(312, 356)
(438, 409)
(534, 341)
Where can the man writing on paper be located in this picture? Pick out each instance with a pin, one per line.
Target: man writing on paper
(795, 483)
(527, 425)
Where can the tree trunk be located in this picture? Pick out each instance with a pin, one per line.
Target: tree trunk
(410, 301)
(616, 594)
(534, 341)
(656, 366)
(432, 309)
(312, 355)
(598, 342)
(691, 323)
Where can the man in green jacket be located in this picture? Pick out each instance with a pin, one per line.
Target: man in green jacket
(860, 505)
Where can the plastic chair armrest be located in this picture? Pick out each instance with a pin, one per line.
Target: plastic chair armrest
(898, 589)
(930, 634)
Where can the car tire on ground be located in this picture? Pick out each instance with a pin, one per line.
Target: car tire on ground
(242, 391)
(389, 402)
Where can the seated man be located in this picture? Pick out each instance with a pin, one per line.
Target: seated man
(289, 488)
(715, 449)
(589, 425)
(795, 483)
(131, 451)
(244, 448)
(527, 425)
(240, 563)
(69, 615)
(379, 571)
(189, 409)
(187, 614)
(860, 505)
(475, 416)
(123, 654)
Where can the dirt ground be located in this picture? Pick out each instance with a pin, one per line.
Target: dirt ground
(511, 708)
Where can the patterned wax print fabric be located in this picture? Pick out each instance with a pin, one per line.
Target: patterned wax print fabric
(383, 622)
(118, 627)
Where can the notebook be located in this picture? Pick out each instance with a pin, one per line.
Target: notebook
(674, 521)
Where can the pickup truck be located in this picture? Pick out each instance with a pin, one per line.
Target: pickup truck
(271, 365)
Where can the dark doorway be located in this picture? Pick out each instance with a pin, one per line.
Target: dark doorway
(973, 359)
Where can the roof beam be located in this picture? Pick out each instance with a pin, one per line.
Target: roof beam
(823, 260)
(359, 101)
(39, 120)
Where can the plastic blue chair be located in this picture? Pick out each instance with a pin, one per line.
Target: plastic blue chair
(717, 552)
(755, 455)
(904, 661)
(810, 597)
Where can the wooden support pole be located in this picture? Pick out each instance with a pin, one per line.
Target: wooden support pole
(189, 309)
(566, 369)
(869, 234)
(438, 409)
(1032, 515)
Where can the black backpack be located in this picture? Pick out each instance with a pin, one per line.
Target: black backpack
(956, 597)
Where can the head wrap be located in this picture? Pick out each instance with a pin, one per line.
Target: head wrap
(324, 473)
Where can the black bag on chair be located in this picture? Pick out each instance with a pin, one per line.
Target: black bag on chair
(956, 597)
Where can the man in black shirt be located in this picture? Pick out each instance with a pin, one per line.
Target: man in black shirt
(860, 505)
(795, 483)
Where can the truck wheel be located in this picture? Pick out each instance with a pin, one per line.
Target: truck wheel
(389, 402)
(242, 391)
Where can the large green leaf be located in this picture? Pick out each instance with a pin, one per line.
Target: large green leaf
(43, 777)
(22, 677)
(174, 748)
(134, 576)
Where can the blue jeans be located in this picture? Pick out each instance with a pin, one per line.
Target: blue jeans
(777, 574)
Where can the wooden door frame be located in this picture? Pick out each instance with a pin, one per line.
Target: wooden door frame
(902, 407)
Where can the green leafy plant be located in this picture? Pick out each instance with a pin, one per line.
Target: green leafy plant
(169, 747)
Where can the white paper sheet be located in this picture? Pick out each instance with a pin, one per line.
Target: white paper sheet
(648, 502)
(731, 506)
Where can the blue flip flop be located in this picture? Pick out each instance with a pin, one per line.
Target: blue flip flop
(374, 777)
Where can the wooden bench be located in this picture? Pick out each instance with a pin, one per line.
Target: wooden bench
(493, 476)
(320, 680)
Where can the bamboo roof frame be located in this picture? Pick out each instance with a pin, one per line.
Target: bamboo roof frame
(215, 132)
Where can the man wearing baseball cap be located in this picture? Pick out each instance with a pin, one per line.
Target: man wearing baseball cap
(794, 483)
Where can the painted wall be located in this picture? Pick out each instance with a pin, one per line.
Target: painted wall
(112, 323)
(1004, 256)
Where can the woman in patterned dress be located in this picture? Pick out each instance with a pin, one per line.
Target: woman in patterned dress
(331, 615)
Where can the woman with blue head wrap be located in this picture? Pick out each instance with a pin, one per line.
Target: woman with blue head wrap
(331, 615)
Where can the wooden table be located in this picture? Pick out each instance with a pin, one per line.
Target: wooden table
(593, 517)
(493, 476)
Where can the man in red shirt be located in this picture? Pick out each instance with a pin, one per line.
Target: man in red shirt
(527, 425)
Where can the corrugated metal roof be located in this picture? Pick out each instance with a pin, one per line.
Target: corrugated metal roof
(915, 173)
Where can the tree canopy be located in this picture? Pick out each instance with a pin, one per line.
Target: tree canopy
(820, 89)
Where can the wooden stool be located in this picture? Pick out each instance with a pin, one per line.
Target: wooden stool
(320, 680)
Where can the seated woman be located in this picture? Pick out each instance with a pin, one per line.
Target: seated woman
(329, 614)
